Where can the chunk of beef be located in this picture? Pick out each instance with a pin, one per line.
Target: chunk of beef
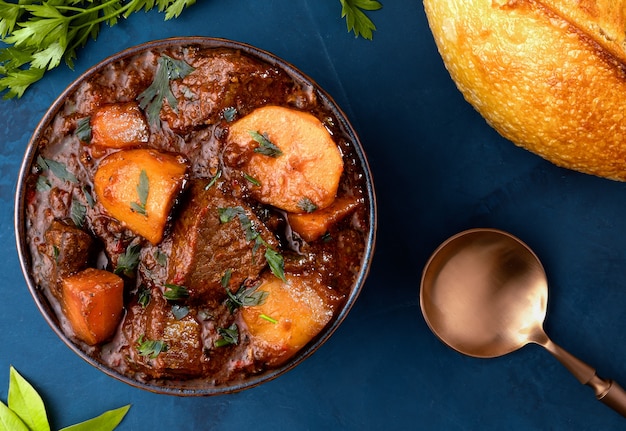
(205, 248)
(69, 249)
(224, 79)
(182, 355)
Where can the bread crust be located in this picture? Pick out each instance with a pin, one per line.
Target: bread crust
(538, 75)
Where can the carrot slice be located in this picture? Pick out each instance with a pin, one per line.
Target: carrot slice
(93, 303)
(311, 226)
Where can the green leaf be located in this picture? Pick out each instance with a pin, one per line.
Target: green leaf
(24, 400)
(9, 421)
(176, 8)
(107, 421)
(150, 348)
(127, 262)
(78, 211)
(266, 147)
(356, 20)
(245, 297)
(57, 168)
(83, 129)
(228, 336)
(151, 99)
(174, 292)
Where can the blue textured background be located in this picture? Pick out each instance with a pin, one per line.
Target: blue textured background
(438, 169)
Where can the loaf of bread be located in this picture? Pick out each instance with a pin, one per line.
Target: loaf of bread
(549, 75)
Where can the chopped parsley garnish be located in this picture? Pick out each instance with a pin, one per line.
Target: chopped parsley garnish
(306, 205)
(245, 297)
(251, 179)
(213, 180)
(228, 336)
(229, 114)
(160, 257)
(128, 261)
(83, 129)
(144, 297)
(88, 197)
(266, 147)
(150, 348)
(180, 311)
(175, 292)
(43, 184)
(268, 318)
(151, 99)
(274, 259)
(57, 168)
(78, 211)
(142, 191)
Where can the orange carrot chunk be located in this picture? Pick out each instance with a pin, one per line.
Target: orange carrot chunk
(311, 226)
(93, 302)
(119, 125)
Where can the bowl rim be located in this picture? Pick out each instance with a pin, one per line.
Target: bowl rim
(23, 249)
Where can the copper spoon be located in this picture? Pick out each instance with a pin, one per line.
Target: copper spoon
(484, 293)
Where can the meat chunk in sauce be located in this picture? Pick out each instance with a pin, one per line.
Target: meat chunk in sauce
(179, 351)
(69, 248)
(204, 247)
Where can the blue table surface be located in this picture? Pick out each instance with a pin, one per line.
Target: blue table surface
(438, 169)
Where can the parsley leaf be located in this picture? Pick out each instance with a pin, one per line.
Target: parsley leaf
(356, 20)
(78, 211)
(174, 292)
(228, 336)
(306, 205)
(245, 297)
(127, 262)
(83, 129)
(150, 348)
(37, 35)
(151, 99)
(266, 147)
(142, 191)
(57, 168)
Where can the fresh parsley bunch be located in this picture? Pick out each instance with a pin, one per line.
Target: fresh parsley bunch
(39, 34)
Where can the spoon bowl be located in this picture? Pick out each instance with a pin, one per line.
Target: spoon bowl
(484, 293)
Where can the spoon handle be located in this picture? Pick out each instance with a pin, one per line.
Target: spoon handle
(607, 391)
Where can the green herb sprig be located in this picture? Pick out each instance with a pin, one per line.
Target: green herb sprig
(228, 336)
(151, 99)
(150, 348)
(143, 189)
(40, 34)
(356, 20)
(25, 411)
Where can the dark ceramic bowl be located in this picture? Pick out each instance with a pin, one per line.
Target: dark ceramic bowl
(183, 387)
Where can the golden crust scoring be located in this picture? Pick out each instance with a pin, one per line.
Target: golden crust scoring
(539, 75)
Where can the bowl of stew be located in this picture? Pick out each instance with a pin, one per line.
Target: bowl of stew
(194, 216)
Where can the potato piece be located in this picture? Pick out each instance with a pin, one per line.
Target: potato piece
(300, 313)
(309, 167)
(123, 178)
(119, 125)
(93, 303)
(311, 226)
